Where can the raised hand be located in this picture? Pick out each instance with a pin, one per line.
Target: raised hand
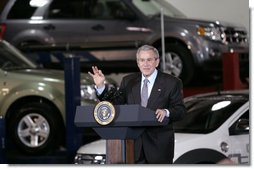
(98, 76)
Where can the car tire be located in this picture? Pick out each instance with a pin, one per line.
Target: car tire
(200, 156)
(178, 62)
(35, 128)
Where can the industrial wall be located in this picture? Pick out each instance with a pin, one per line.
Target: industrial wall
(234, 11)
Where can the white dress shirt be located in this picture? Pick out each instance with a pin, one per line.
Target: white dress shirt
(151, 80)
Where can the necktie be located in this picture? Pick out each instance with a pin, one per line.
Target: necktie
(144, 93)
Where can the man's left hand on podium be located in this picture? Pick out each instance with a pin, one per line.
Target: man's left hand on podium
(160, 114)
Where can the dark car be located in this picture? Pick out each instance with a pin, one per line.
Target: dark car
(108, 32)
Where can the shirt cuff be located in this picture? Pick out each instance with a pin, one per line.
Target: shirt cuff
(167, 112)
(99, 90)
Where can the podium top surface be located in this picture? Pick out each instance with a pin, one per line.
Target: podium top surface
(126, 116)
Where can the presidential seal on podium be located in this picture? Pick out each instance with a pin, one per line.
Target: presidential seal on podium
(104, 113)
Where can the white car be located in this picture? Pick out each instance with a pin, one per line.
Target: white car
(215, 128)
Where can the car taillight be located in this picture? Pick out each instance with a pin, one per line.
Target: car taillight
(2, 30)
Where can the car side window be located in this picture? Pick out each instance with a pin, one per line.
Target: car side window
(241, 126)
(62, 10)
(88, 9)
(118, 10)
(22, 9)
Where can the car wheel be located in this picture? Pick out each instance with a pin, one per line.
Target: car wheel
(178, 62)
(35, 129)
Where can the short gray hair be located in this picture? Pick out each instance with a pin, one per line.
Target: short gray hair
(146, 48)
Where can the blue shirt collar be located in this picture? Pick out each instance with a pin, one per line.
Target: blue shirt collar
(152, 77)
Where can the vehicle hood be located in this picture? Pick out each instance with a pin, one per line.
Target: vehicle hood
(52, 74)
(96, 147)
(192, 21)
(41, 73)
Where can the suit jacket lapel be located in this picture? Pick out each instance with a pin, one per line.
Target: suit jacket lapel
(136, 90)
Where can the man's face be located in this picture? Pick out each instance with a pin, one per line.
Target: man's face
(147, 62)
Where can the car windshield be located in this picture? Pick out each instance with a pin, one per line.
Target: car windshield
(206, 114)
(11, 58)
(152, 8)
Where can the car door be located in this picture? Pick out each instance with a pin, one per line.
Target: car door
(108, 28)
(65, 22)
(239, 138)
(117, 28)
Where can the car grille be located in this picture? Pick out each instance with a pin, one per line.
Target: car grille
(234, 35)
(90, 159)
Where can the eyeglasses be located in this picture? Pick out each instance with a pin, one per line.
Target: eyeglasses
(149, 60)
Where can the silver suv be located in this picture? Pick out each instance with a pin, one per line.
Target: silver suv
(33, 102)
(111, 30)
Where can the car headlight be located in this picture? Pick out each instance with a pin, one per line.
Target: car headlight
(213, 33)
(88, 92)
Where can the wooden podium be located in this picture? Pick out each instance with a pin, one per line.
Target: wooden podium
(129, 122)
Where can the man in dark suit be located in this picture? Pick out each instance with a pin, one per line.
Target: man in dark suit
(164, 92)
